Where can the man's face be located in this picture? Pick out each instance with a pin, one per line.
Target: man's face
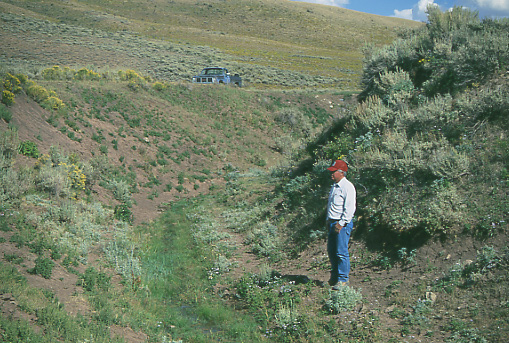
(337, 176)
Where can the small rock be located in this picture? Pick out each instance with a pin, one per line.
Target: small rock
(6, 296)
(431, 297)
(390, 309)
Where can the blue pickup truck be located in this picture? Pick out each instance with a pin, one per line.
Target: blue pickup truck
(217, 75)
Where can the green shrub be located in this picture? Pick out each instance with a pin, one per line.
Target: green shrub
(5, 113)
(288, 319)
(452, 52)
(103, 149)
(53, 180)
(28, 148)
(124, 213)
(180, 188)
(9, 143)
(419, 318)
(267, 294)
(13, 258)
(93, 279)
(55, 253)
(43, 266)
(4, 225)
(121, 191)
(395, 88)
(344, 299)
(466, 335)
(373, 115)
(18, 240)
(264, 240)
(294, 119)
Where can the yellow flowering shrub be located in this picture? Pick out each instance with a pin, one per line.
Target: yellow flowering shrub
(7, 97)
(22, 78)
(36, 92)
(43, 160)
(54, 73)
(131, 75)
(47, 98)
(76, 177)
(53, 103)
(12, 83)
(63, 173)
(158, 86)
(86, 74)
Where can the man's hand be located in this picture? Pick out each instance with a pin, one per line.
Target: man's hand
(337, 227)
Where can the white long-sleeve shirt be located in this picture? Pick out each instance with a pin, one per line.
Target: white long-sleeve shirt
(342, 202)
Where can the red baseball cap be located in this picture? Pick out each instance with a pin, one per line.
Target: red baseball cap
(338, 165)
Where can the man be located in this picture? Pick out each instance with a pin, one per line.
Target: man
(340, 211)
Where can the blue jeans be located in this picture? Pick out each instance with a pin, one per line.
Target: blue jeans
(337, 247)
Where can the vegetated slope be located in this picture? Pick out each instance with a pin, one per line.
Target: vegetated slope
(268, 42)
(169, 142)
(86, 154)
(428, 151)
(411, 292)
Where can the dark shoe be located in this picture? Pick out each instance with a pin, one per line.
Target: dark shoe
(338, 286)
(332, 282)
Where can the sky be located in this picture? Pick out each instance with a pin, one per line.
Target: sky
(416, 9)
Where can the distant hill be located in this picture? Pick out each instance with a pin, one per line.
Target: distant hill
(269, 42)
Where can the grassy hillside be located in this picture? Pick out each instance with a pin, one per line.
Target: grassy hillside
(268, 42)
(137, 207)
(87, 155)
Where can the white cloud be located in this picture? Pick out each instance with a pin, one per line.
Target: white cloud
(420, 9)
(405, 14)
(498, 5)
(417, 12)
(488, 8)
(422, 5)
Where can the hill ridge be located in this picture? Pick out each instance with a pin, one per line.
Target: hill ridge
(339, 45)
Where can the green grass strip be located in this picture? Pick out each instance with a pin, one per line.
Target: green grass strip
(175, 267)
